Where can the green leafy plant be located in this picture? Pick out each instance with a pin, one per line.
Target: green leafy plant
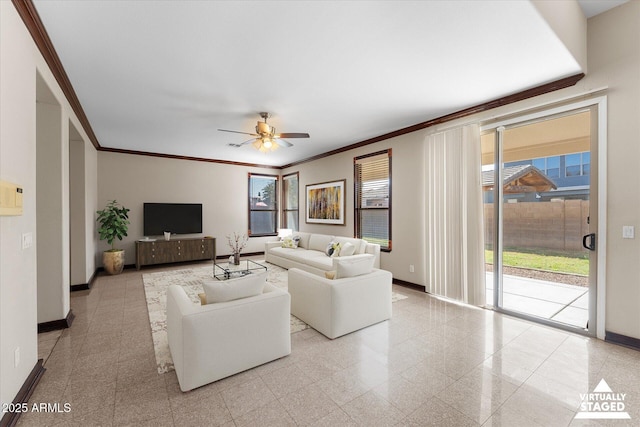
(114, 223)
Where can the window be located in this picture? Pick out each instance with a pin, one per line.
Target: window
(373, 198)
(578, 164)
(263, 205)
(549, 165)
(290, 212)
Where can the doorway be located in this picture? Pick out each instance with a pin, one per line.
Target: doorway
(541, 222)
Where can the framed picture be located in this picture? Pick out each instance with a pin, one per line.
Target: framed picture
(326, 203)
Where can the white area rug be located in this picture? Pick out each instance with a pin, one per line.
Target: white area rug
(191, 279)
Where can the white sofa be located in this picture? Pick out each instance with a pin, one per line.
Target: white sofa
(310, 254)
(214, 341)
(335, 307)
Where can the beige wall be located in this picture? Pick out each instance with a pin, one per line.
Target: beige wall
(221, 188)
(20, 61)
(614, 60)
(569, 23)
(407, 227)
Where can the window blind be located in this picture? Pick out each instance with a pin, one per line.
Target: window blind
(373, 198)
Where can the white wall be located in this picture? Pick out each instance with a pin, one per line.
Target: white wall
(20, 61)
(221, 188)
(18, 321)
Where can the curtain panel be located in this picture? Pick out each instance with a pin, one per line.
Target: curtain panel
(454, 224)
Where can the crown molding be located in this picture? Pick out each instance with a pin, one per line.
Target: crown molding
(510, 99)
(178, 157)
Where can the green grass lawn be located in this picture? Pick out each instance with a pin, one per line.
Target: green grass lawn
(543, 260)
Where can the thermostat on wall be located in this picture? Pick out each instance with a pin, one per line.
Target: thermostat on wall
(10, 199)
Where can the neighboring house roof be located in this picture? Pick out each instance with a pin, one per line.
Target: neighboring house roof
(520, 179)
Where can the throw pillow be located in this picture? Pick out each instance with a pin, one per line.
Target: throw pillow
(333, 249)
(347, 249)
(290, 242)
(203, 298)
(330, 275)
(232, 289)
(354, 266)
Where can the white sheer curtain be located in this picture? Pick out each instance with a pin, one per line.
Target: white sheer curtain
(454, 225)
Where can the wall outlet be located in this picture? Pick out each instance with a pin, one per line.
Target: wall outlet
(411, 268)
(16, 357)
(628, 231)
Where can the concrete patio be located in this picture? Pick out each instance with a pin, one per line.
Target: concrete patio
(563, 303)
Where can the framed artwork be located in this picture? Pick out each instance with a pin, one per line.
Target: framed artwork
(326, 203)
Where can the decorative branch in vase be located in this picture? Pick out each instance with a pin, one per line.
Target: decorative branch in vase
(237, 243)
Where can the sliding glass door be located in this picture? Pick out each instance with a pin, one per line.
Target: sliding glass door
(540, 218)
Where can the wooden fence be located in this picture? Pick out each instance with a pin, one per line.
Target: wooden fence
(557, 225)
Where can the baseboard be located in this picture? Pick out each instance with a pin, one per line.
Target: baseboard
(85, 286)
(409, 285)
(54, 325)
(624, 340)
(11, 418)
(126, 267)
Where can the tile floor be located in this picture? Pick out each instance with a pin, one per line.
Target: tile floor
(435, 363)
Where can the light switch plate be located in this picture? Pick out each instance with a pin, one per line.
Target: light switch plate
(27, 240)
(628, 232)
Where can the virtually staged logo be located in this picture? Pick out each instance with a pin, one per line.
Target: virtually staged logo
(603, 404)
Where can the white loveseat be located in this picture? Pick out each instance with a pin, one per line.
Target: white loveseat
(310, 254)
(357, 297)
(214, 341)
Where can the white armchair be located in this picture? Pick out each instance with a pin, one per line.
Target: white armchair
(214, 341)
(335, 307)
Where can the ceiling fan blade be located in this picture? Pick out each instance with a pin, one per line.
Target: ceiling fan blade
(281, 142)
(231, 144)
(292, 135)
(235, 131)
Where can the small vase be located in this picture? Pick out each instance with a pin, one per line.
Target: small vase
(236, 258)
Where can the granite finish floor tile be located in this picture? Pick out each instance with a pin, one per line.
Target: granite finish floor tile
(434, 363)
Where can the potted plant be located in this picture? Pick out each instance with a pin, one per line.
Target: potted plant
(114, 223)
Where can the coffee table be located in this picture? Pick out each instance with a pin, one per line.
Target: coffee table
(226, 271)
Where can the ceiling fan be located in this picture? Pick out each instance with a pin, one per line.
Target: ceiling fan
(266, 138)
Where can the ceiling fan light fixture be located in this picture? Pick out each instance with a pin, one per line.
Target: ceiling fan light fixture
(266, 138)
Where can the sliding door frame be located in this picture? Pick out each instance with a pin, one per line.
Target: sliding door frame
(598, 105)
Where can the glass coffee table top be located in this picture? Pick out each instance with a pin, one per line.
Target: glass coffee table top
(225, 270)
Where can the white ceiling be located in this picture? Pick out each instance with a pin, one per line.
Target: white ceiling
(162, 77)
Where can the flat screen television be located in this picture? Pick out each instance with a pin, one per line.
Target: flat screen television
(177, 218)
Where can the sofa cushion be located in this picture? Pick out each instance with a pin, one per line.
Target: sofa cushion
(313, 259)
(304, 239)
(363, 247)
(232, 289)
(319, 242)
(353, 266)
